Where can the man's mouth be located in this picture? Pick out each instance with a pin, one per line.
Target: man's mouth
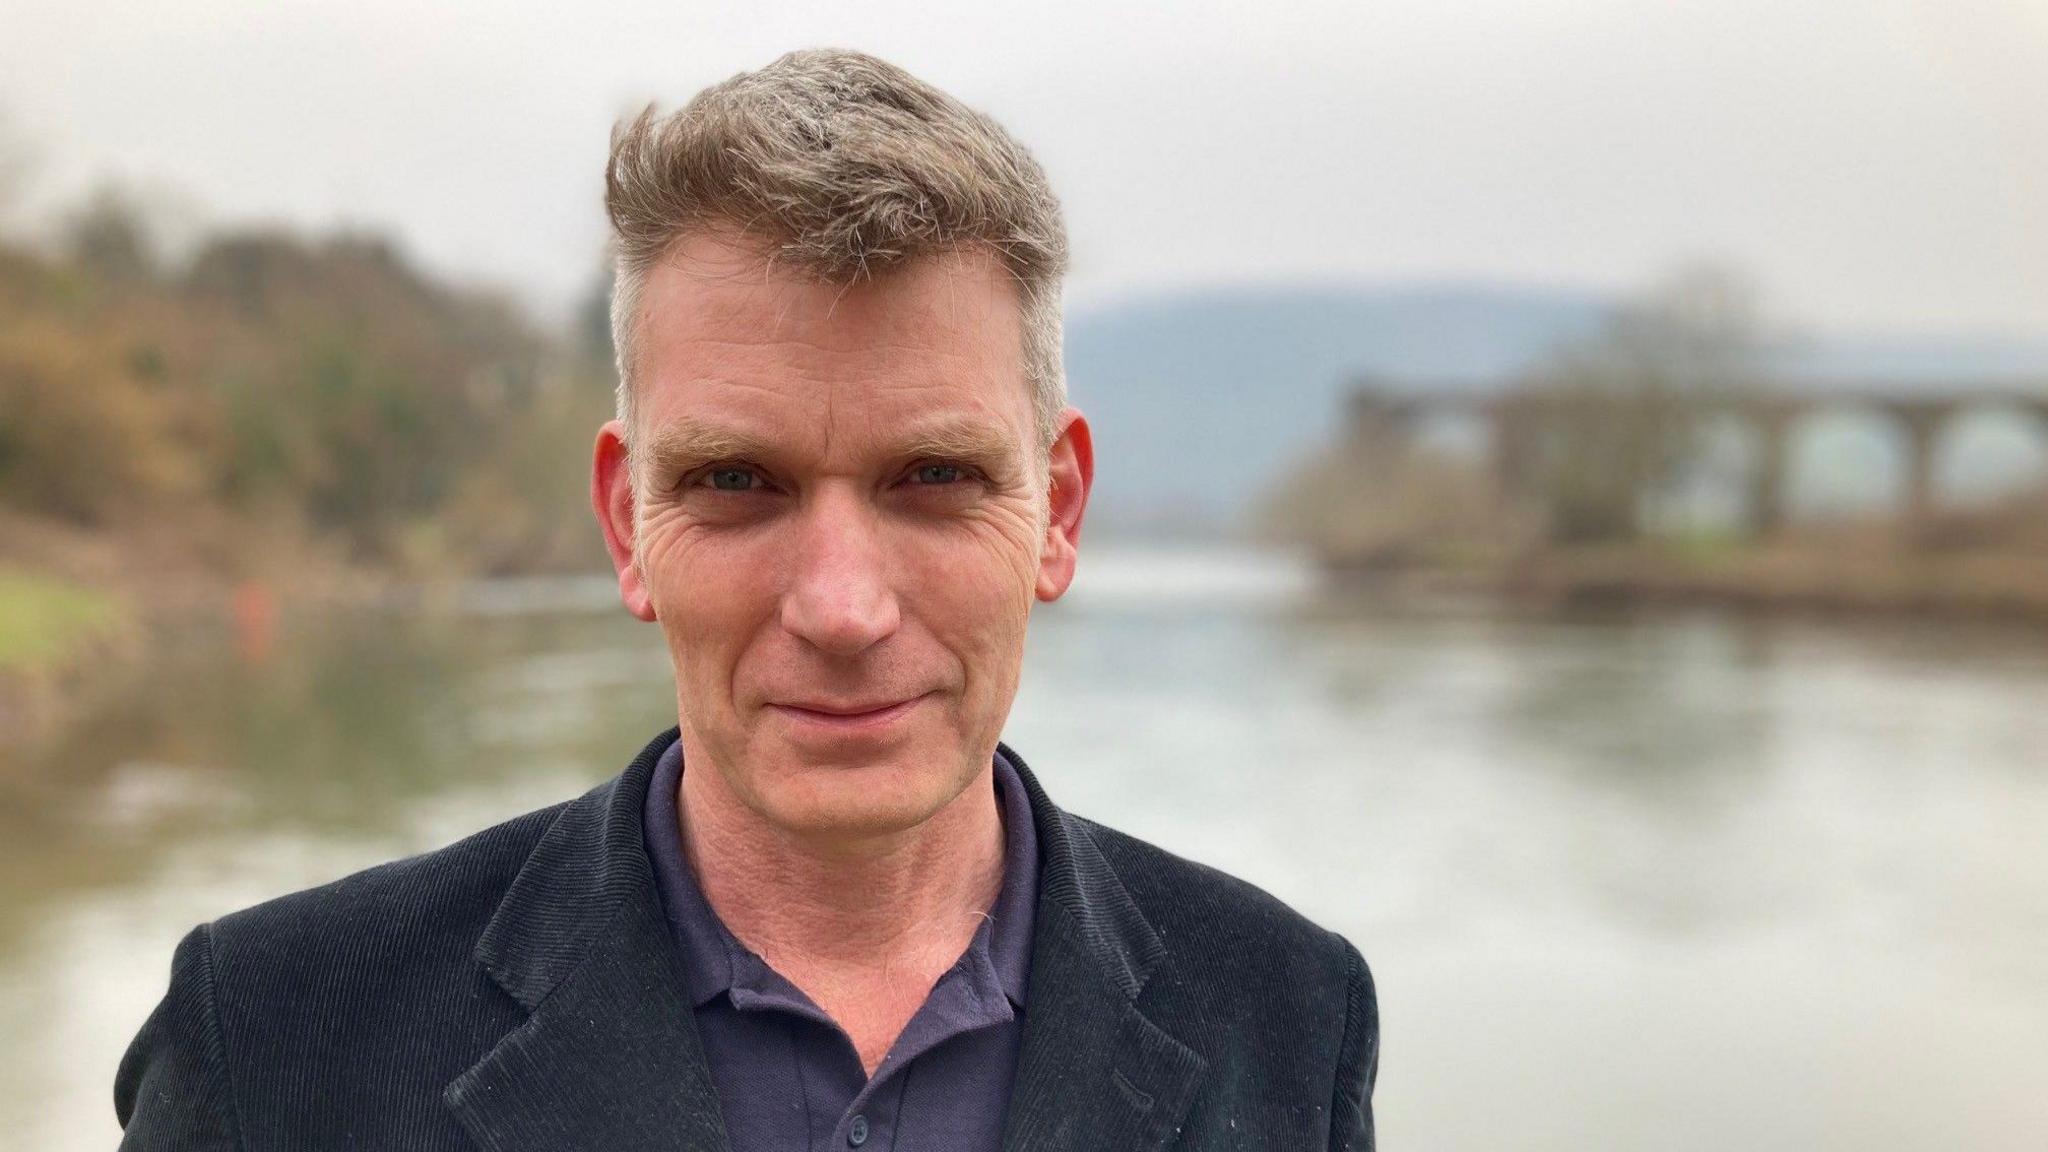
(847, 715)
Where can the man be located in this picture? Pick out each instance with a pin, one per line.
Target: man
(829, 909)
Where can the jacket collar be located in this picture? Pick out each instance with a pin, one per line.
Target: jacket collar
(1095, 1071)
(609, 1056)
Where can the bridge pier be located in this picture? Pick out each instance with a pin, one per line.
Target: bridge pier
(1381, 423)
(1923, 422)
(1378, 429)
(1771, 433)
(1515, 443)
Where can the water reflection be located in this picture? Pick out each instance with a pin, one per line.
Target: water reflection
(1666, 881)
(341, 734)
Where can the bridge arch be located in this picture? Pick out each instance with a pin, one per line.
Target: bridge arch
(1824, 449)
(1846, 460)
(1989, 451)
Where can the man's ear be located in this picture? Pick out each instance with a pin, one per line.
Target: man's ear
(1072, 470)
(612, 498)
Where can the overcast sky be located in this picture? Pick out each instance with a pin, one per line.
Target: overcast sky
(1871, 163)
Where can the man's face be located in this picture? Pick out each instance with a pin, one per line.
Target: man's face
(841, 525)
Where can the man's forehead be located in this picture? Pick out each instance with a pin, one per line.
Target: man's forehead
(713, 281)
(741, 356)
(776, 392)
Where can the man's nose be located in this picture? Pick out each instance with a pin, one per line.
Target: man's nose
(840, 600)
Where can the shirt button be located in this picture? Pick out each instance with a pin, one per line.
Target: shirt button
(857, 1132)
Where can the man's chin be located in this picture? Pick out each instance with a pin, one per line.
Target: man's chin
(857, 797)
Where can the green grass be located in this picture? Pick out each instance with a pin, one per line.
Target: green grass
(45, 622)
(1705, 548)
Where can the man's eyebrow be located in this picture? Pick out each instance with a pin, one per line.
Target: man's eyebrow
(683, 444)
(968, 440)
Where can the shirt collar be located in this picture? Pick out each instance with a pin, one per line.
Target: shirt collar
(713, 961)
(1009, 940)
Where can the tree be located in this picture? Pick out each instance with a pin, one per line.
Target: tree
(110, 239)
(14, 165)
(1617, 412)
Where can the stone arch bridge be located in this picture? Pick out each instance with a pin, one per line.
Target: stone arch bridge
(1383, 414)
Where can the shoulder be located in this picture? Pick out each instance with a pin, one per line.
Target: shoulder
(1251, 984)
(386, 945)
(1213, 921)
(375, 971)
(405, 905)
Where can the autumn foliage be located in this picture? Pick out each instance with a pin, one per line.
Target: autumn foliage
(321, 389)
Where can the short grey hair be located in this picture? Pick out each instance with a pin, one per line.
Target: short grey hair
(845, 166)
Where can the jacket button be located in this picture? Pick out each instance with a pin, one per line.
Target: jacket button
(857, 1132)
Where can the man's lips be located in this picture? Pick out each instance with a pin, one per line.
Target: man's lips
(847, 715)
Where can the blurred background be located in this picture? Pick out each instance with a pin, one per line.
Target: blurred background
(1572, 509)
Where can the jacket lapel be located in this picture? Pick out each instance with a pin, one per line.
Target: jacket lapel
(1095, 1072)
(609, 1057)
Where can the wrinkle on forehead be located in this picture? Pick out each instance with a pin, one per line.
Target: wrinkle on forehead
(839, 377)
(721, 256)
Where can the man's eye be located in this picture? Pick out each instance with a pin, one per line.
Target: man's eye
(732, 479)
(938, 473)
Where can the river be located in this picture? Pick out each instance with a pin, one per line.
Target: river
(1670, 881)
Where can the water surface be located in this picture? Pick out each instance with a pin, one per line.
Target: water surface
(1671, 881)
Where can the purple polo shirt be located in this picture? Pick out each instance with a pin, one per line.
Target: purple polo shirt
(788, 1077)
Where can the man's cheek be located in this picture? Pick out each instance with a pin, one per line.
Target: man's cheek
(667, 546)
(1008, 531)
(1004, 569)
(989, 631)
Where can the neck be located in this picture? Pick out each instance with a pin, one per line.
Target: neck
(840, 912)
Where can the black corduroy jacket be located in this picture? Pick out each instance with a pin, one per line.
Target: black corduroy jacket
(518, 991)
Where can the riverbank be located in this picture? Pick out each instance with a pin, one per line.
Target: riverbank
(2001, 585)
(1844, 573)
(65, 621)
(81, 608)
(52, 632)
(1985, 562)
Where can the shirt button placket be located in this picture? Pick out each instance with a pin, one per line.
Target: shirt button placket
(857, 1132)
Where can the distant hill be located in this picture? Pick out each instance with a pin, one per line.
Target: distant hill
(1198, 400)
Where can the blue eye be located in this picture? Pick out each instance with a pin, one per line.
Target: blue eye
(732, 479)
(938, 474)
